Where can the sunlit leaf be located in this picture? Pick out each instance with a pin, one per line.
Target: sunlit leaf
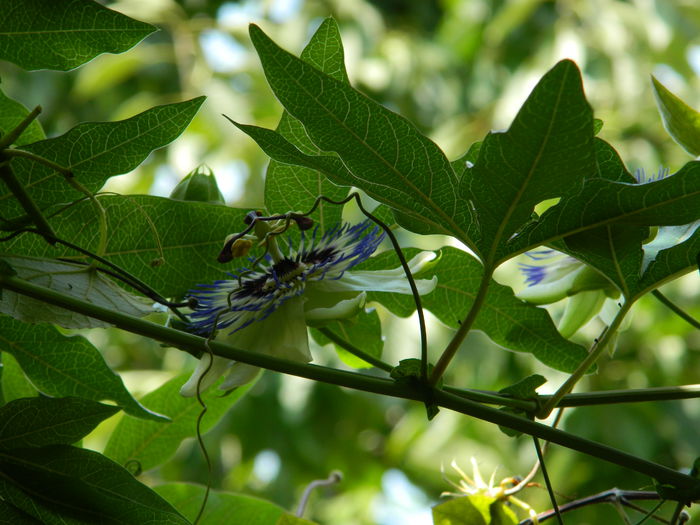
(75, 32)
(66, 366)
(680, 120)
(222, 507)
(40, 421)
(14, 383)
(151, 443)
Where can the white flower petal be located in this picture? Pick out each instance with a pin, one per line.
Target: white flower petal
(281, 334)
(341, 310)
(219, 366)
(239, 374)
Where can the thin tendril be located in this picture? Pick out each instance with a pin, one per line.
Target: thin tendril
(547, 482)
(404, 265)
(200, 417)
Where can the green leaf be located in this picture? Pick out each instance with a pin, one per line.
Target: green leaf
(674, 200)
(11, 114)
(62, 366)
(291, 519)
(44, 34)
(11, 514)
(40, 421)
(82, 485)
(222, 507)
(382, 153)
(465, 163)
(525, 388)
(476, 509)
(615, 250)
(546, 153)
(507, 320)
(72, 280)
(151, 443)
(670, 263)
(363, 331)
(95, 151)
(680, 120)
(170, 245)
(295, 188)
(14, 383)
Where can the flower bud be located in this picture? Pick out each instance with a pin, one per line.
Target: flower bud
(199, 185)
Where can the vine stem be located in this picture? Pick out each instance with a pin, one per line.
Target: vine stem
(466, 325)
(30, 207)
(583, 367)
(676, 309)
(197, 345)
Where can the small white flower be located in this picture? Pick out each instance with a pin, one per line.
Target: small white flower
(267, 309)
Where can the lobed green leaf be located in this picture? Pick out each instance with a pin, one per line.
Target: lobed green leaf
(382, 153)
(364, 331)
(44, 34)
(290, 187)
(546, 153)
(674, 200)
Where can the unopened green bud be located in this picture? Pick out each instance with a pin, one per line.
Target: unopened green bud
(580, 309)
(199, 185)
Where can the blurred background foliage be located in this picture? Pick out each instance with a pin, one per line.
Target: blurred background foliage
(457, 68)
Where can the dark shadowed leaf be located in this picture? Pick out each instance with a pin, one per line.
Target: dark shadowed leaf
(80, 484)
(40, 421)
(66, 366)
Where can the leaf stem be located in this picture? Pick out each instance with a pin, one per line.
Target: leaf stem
(197, 345)
(676, 309)
(463, 329)
(30, 207)
(12, 136)
(39, 159)
(377, 363)
(586, 364)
